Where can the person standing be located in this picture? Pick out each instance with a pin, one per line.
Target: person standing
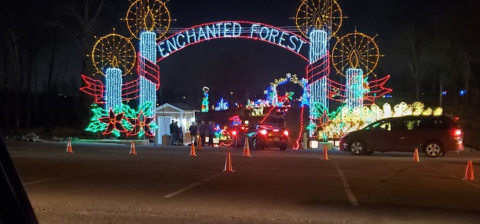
(202, 129)
(211, 133)
(193, 132)
(173, 132)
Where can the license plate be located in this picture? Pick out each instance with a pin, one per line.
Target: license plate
(276, 139)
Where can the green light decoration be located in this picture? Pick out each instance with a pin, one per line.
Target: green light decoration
(130, 121)
(116, 133)
(95, 124)
(205, 102)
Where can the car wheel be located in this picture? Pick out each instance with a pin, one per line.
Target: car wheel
(433, 149)
(255, 144)
(357, 148)
(283, 148)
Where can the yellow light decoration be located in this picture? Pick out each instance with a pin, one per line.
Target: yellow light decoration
(319, 14)
(438, 111)
(357, 51)
(113, 51)
(351, 120)
(148, 15)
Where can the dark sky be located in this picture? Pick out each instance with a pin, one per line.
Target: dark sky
(236, 64)
(235, 61)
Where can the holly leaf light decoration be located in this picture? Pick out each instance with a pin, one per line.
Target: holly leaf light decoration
(95, 124)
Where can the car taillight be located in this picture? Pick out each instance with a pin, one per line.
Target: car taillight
(234, 132)
(457, 132)
(285, 133)
(263, 132)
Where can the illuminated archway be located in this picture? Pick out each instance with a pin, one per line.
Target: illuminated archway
(232, 29)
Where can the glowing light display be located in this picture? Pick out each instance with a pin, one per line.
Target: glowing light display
(113, 93)
(235, 120)
(221, 105)
(232, 29)
(355, 89)
(205, 102)
(346, 120)
(121, 119)
(272, 95)
(148, 89)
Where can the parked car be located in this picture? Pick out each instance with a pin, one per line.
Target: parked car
(432, 135)
(265, 135)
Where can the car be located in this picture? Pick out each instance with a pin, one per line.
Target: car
(265, 135)
(432, 135)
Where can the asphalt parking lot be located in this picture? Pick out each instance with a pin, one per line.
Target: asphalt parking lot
(103, 183)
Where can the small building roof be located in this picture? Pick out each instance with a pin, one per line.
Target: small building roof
(180, 107)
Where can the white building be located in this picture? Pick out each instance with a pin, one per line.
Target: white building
(169, 112)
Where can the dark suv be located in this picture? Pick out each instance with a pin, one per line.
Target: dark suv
(263, 136)
(432, 135)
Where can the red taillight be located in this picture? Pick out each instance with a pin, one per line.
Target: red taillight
(263, 132)
(234, 132)
(285, 133)
(457, 132)
(243, 128)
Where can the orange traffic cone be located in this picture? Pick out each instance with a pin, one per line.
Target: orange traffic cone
(192, 150)
(199, 143)
(132, 149)
(415, 156)
(246, 149)
(228, 164)
(469, 171)
(325, 153)
(69, 146)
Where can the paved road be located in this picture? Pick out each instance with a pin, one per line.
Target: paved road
(104, 184)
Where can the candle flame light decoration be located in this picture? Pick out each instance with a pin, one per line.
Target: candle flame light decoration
(114, 56)
(354, 57)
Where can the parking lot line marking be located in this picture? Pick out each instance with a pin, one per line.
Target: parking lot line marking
(41, 181)
(192, 186)
(77, 175)
(346, 186)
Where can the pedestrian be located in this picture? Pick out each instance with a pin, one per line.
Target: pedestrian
(202, 129)
(193, 132)
(211, 133)
(176, 132)
(180, 136)
(173, 132)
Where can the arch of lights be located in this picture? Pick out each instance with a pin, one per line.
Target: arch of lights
(149, 21)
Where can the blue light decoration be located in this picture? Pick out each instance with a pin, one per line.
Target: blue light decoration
(113, 93)
(387, 96)
(305, 98)
(272, 95)
(354, 88)
(444, 93)
(148, 89)
(463, 92)
(317, 75)
(221, 105)
(205, 102)
(232, 29)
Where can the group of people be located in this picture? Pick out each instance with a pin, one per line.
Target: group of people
(203, 130)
